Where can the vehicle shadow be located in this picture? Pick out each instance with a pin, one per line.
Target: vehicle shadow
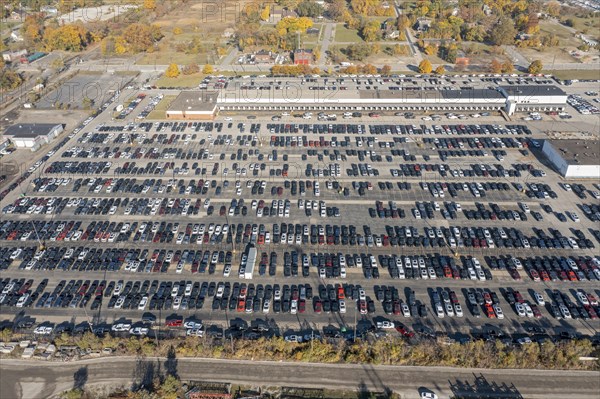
(480, 387)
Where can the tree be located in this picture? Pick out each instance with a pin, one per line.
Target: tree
(358, 51)
(293, 25)
(385, 70)
(190, 69)
(507, 67)
(503, 32)
(553, 8)
(87, 103)
(425, 67)
(9, 79)
(440, 70)
(495, 66)
(309, 9)
(535, 67)
(336, 10)
(70, 37)
(138, 37)
(172, 71)
(208, 69)
(265, 13)
(177, 31)
(150, 4)
(371, 31)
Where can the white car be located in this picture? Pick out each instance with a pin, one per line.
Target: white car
(498, 311)
(539, 298)
(428, 395)
(228, 118)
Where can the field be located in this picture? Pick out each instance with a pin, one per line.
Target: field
(181, 81)
(575, 74)
(200, 20)
(160, 111)
(343, 34)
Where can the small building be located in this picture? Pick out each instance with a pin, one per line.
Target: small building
(50, 11)
(574, 158)
(12, 56)
(303, 57)
(263, 57)
(277, 14)
(16, 36)
(228, 33)
(422, 24)
(190, 104)
(33, 135)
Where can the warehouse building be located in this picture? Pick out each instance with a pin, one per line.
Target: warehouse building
(33, 135)
(239, 97)
(574, 158)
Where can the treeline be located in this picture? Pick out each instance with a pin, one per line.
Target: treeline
(386, 351)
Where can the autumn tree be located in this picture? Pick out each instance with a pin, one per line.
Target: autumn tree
(535, 67)
(138, 37)
(507, 67)
(150, 4)
(190, 69)
(425, 66)
(208, 69)
(32, 28)
(293, 25)
(553, 8)
(265, 13)
(9, 79)
(503, 32)
(385, 70)
(440, 70)
(72, 37)
(172, 71)
(371, 31)
(177, 31)
(358, 51)
(336, 10)
(495, 66)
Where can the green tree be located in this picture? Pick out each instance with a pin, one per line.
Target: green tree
(172, 71)
(310, 9)
(9, 79)
(503, 32)
(425, 66)
(535, 67)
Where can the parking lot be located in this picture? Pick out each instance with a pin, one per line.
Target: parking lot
(427, 226)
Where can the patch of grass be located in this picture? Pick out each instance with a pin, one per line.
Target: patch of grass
(343, 34)
(160, 111)
(181, 81)
(565, 36)
(575, 74)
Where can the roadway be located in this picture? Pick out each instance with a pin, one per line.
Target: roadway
(34, 379)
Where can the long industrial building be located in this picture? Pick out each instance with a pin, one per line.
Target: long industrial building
(574, 158)
(202, 104)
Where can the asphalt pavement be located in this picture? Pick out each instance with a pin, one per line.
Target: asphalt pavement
(32, 379)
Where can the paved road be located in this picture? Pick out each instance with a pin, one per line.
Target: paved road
(31, 380)
(328, 36)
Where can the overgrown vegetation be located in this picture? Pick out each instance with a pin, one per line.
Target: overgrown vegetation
(387, 351)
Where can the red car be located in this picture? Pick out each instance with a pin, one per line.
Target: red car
(174, 322)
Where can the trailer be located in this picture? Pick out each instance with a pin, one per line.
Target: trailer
(250, 263)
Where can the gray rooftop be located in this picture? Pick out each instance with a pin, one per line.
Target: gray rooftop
(578, 152)
(533, 90)
(29, 130)
(195, 100)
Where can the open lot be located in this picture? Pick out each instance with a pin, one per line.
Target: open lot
(418, 213)
(98, 87)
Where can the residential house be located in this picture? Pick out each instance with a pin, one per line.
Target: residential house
(263, 57)
(12, 56)
(277, 14)
(422, 24)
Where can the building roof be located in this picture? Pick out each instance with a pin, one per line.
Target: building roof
(422, 94)
(533, 90)
(29, 130)
(195, 100)
(578, 152)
